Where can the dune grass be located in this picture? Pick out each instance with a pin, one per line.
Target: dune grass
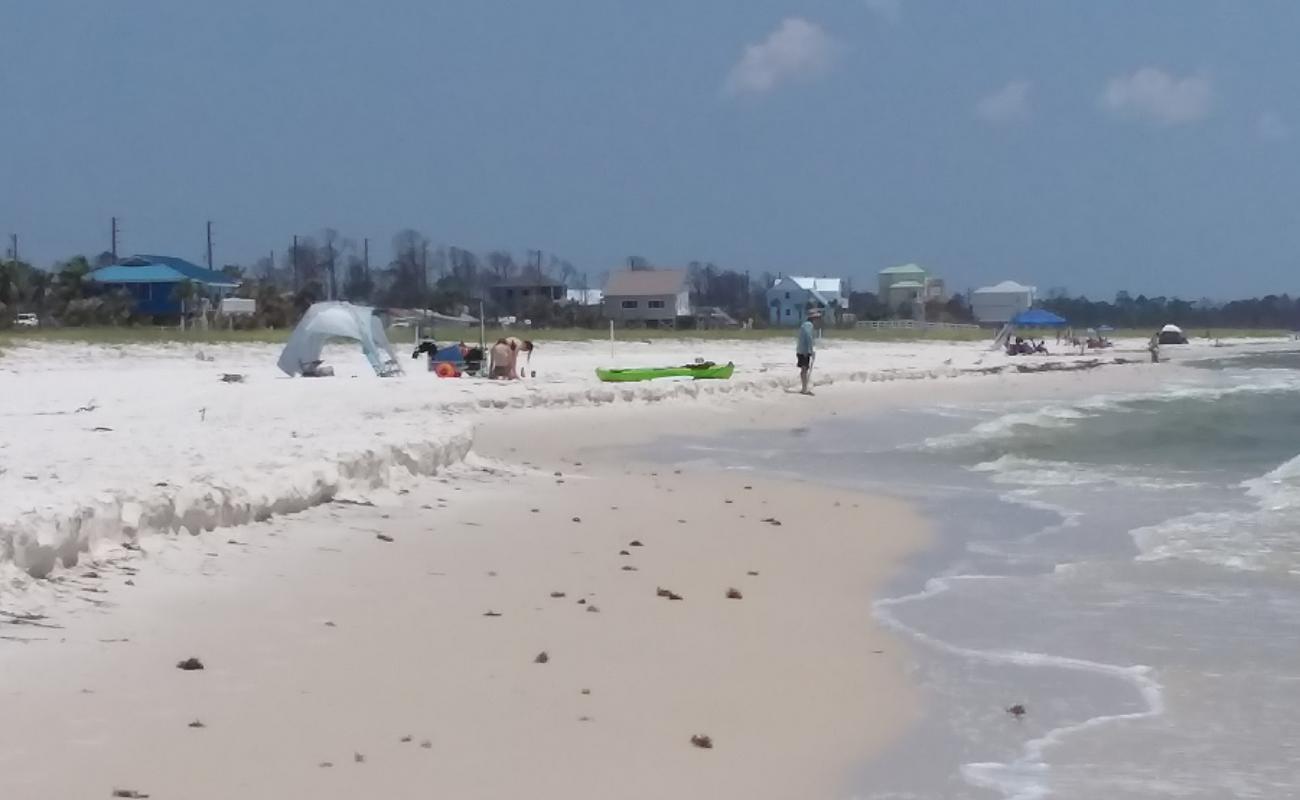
(158, 335)
(137, 335)
(1202, 334)
(151, 335)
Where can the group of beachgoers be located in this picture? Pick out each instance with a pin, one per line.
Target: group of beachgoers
(1023, 347)
(503, 357)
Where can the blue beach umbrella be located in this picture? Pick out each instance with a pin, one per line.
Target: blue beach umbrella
(1037, 318)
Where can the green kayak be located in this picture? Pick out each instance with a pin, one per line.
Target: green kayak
(706, 371)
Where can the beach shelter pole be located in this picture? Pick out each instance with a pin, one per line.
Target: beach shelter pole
(611, 339)
(482, 328)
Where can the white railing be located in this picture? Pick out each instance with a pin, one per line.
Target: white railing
(912, 324)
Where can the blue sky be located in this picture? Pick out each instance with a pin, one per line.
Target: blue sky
(1093, 144)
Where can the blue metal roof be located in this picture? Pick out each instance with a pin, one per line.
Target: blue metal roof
(159, 269)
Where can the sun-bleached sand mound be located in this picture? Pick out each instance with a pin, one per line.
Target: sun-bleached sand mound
(102, 444)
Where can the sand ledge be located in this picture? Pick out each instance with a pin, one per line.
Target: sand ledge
(322, 641)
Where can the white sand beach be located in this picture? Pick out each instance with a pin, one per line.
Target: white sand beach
(177, 516)
(103, 442)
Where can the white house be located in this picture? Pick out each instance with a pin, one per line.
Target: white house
(997, 304)
(790, 297)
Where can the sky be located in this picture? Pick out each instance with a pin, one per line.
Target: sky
(1092, 145)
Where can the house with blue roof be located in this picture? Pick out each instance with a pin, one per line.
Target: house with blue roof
(153, 280)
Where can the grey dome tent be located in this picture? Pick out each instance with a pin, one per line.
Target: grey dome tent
(325, 321)
(1171, 334)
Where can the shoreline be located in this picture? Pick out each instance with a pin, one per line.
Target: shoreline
(288, 693)
(794, 682)
(176, 449)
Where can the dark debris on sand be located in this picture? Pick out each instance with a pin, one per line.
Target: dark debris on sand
(190, 664)
(701, 741)
(541, 658)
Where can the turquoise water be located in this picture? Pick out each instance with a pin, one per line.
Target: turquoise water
(1125, 566)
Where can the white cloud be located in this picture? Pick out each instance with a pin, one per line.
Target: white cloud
(1271, 127)
(797, 50)
(1156, 96)
(1007, 106)
(888, 10)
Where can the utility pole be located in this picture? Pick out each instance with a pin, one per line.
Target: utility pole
(209, 244)
(113, 249)
(424, 267)
(13, 251)
(294, 259)
(365, 250)
(334, 285)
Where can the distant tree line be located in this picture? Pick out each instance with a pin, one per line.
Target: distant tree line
(420, 275)
(417, 275)
(1126, 311)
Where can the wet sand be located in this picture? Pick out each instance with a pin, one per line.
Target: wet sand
(339, 664)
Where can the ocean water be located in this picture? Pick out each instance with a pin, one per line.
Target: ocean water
(1125, 566)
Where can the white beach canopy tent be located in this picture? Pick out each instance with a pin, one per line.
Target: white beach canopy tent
(334, 320)
(1171, 334)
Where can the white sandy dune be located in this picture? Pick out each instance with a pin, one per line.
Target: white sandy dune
(355, 650)
(99, 444)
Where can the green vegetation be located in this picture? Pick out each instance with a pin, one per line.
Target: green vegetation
(137, 334)
(648, 334)
(1200, 334)
(402, 336)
